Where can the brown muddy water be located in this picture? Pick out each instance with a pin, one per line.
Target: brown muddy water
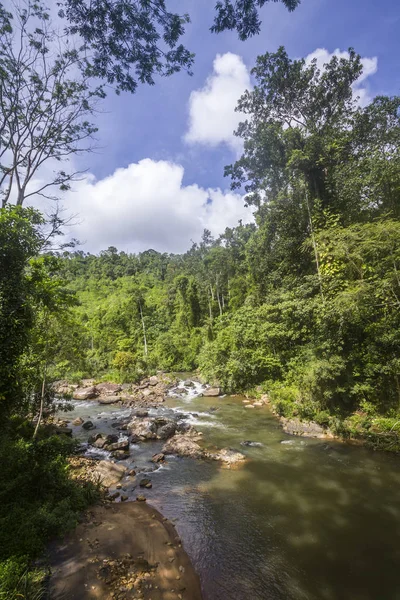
(303, 519)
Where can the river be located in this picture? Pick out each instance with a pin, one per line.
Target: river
(302, 519)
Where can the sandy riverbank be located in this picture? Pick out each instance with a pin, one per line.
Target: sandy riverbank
(122, 551)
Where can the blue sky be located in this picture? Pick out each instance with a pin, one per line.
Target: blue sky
(165, 201)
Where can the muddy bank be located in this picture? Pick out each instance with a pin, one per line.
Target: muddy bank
(122, 551)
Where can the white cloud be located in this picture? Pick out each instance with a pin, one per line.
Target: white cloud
(212, 116)
(370, 66)
(146, 206)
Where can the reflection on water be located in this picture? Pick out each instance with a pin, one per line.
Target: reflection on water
(302, 519)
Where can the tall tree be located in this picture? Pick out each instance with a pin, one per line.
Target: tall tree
(45, 103)
(131, 41)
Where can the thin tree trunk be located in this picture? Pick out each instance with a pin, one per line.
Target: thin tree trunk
(314, 243)
(144, 329)
(41, 402)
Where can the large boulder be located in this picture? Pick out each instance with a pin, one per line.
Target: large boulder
(212, 392)
(183, 444)
(85, 393)
(109, 399)
(108, 389)
(88, 425)
(108, 473)
(142, 429)
(166, 431)
(304, 428)
(153, 380)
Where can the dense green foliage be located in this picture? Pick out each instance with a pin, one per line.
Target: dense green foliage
(37, 497)
(306, 302)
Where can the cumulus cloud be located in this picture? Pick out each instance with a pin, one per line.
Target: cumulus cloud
(360, 87)
(212, 116)
(147, 206)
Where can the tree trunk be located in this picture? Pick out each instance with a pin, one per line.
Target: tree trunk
(144, 329)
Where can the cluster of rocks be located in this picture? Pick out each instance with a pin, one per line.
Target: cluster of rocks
(150, 391)
(255, 402)
(125, 576)
(119, 448)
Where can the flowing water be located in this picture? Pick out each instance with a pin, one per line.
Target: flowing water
(303, 519)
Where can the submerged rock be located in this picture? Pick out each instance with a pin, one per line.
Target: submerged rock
(88, 425)
(251, 444)
(227, 455)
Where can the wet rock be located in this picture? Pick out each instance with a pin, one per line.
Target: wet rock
(146, 483)
(120, 454)
(251, 444)
(108, 473)
(227, 456)
(77, 421)
(99, 443)
(124, 498)
(188, 383)
(112, 438)
(183, 444)
(183, 427)
(108, 389)
(211, 392)
(88, 425)
(85, 393)
(180, 391)
(93, 438)
(157, 458)
(131, 473)
(121, 445)
(166, 431)
(143, 429)
(141, 498)
(141, 413)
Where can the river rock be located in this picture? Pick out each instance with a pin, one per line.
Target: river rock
(108, 473)
(120, 454)
(85, 393)
(93, 438)
(166, 431)
(251, 444)
(88, 425)
(146, 483)
(109, 399)
(143, 429)
(141, 413)
(306, 429)
(77, 421)
(112, 438)
(157, 458)
(122, 445)
(188, 383)
(108, 389)
(99, 443)
(227, 456)
(212, 392)
(153, 380)
(183, 444)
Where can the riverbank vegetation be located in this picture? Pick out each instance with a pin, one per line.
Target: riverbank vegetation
(303, 304)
